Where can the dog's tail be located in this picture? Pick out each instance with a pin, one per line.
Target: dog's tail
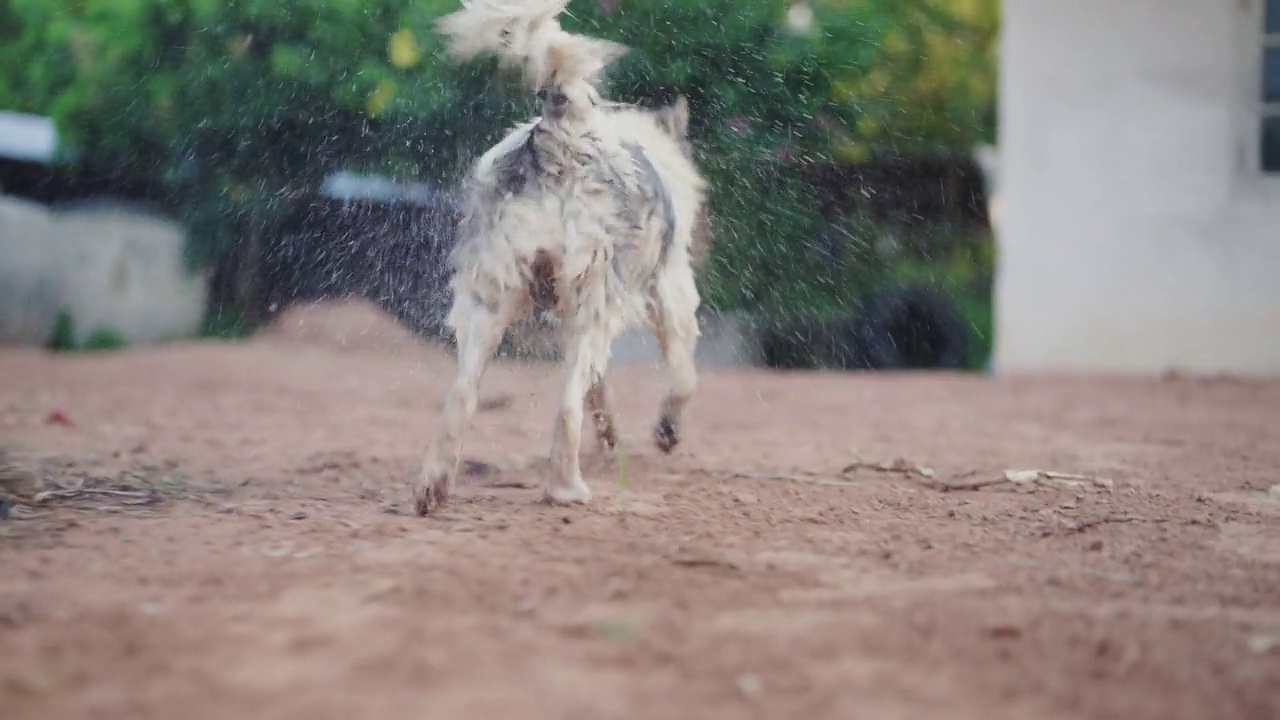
(526, 34)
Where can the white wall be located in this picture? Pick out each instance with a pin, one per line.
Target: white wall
(1132, 238)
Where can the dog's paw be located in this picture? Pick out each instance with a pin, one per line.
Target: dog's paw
(665, 435)
(607, 441)
(571, 494)
(430, 495)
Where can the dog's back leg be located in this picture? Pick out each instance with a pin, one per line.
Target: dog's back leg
(542, 289)
(675, 322)
(586, 357)
(479, 328)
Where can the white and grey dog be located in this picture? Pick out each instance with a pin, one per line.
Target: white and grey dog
(595, 209)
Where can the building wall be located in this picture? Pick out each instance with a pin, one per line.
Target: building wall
(1133, 235)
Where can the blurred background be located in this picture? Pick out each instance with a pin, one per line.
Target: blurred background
(312, 149)
(206, 164)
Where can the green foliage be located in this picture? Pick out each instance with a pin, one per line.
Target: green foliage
(104, 339)
(962, 267)
(63, 337)
(225, 324)
(238, 106)
(876, 76)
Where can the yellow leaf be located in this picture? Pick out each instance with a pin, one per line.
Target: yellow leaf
(379, 98)
(238, 46)
(894, 43)
(974, 12)
(846, 92)
(876, 83)
(852, 151)
(403, 50)
(869, 126)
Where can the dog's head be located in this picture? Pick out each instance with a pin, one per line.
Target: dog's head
(566, 80)
(563, 68)
(565, 101)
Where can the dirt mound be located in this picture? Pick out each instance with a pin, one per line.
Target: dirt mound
(354, 324)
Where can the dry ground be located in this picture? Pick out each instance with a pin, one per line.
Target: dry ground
(258, 561)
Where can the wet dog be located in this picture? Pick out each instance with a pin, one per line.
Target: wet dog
(595, 211)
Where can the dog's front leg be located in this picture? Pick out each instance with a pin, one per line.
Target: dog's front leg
(479, 328)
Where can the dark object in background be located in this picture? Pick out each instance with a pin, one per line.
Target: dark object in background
(936, 204)
(901, 189)
(897, 328)
(910, 328)
(801, 344)
(367, 237)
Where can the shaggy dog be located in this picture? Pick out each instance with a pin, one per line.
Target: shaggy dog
(591, 209)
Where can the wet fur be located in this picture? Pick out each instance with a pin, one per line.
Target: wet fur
(593, 211)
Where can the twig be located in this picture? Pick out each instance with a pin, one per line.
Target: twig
(704, 562)
(810, 479)
(61, 494)
(1060, 478)
(123, 507)
(1108, 519)
(899, 465)
(974, 484)
(1021, 477)
(21, 512)
(963, 482)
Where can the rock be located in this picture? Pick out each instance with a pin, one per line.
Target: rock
(1263, 644)
(750, 686)
(31, 284)
(127, 274)
(1021, 476)
(109, 268)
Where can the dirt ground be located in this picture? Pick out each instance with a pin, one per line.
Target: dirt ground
(224, 534)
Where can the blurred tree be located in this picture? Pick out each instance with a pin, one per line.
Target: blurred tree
(239, 106)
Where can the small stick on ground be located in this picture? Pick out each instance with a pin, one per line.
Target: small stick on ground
(47, 495)
(1110, 519)
(701, 562)
(899, 465)
(1046, 477)
(971, 481)
(808, 479)
(969, 485)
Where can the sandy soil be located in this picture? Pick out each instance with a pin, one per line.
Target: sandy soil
(258, 561)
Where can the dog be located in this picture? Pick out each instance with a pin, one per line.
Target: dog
(595, 211)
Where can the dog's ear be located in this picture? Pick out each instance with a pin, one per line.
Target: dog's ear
(610, 51)
(680, 116)
(578, 58)
(674, 118)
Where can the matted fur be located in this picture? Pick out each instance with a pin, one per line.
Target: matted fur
(590, 209)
